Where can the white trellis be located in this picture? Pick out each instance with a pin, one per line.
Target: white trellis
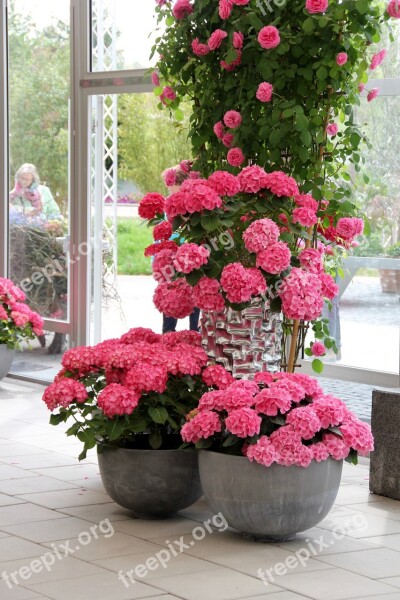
(104, 168)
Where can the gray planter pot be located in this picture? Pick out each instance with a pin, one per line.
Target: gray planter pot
(153, 484)
(269, 503)
(6, 358)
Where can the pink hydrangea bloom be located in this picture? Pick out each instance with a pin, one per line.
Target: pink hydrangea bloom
(305, 216)
(238, 39)
(206, 295)
(273, 400)
(232, 119)
(275, 258)
(63, 392)
(227, 140)
(287, 443)
(144, 377)
(378, 59)
(172, 338)
(163, 267)
(305, 421)
(281, 184)
(216, 375)
(318, 349)
(243, 422)
(205, 424)
(269, 37)
(310, 260)
(216, 38)
(357, 434)
(151, 205)
(330, 410)
(3, 314)
(319, 451)
(162, 231)
(373, 94)
(219, 130)
(349, 227)
(190, 257)
(236, 397)
(225, 8)
(235, 157)
(336, 447)
(301, 295)
(309, 384)
(329, 288)
(251, 179)
(260, 235)
(317, 6)
(200, 49)
(263, 377)
(332, 129)
(170, 177)
(306, 201)
(342, 58)
(393, 9)
(140, 334)
(296, 391)
(175, 205)
(262, 452)
(182, 9)
(116, 400)
(245, 384)
(224, 183)
(264, 92)
(256, 282)
(214, 400)
(154, 249)
(174, 299)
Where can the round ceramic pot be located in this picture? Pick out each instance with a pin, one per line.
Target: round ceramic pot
(153, 484)
(6, 358)
(270, 503)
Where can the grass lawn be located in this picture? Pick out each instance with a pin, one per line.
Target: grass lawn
(133, 237)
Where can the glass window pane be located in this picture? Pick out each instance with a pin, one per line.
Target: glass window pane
(122, 34)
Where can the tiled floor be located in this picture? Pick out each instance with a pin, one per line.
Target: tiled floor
(62, 538)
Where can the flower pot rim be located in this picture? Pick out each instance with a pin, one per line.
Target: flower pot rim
(142, 450)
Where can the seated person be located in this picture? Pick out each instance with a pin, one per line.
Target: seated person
(31, 198)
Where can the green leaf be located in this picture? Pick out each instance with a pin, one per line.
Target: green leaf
(159, 414)
(322, 73)
(169, 21)
(210, 222)
(179, 116)
(308, 25)
(308, 352)
(306, 137)
(155, 440)
(317, 365)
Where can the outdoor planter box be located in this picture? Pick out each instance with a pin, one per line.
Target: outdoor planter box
(385, 459)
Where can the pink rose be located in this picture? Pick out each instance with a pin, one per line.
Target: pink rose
(170, 177)
(181, 9)
(342, 58)
(199, 49)
(225, 8)
(219, 130)
(264, 92)
(216, 39)
(316, 6)
(235, 157)
(155, 79)
(238, 39)
(240, 2)
(378, 59)
(332, 129)
(318, 349)
(232, 119)
(227, 140)
(269, 37)
(373, 93)
(361, 87)
(393, 9)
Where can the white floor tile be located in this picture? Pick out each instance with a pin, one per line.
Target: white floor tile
(51, 530)
(71, 473)
(66, 498)
(25, 513)
(376, 564)
(31, 485)
(96, 513)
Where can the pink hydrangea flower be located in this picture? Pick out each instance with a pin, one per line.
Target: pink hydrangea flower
(175, 205)
(216, 38)
(214, 400)
(318, 349)
(236, 397)
(235, 157)
(170, 177)
(252, 179)
(273, 400)
(260, 235)
(304, 216)
(342, 58)
(238, 39)
(301, 295)
(243, 422)
(163, 267)
(219, 130)
(275, 258)
(316, 6)
(306, 201)
(296, 391)
(207, 296)
(336, 447)
(319, 451)
(216, 375)
(198, 195)
(262, 452)
(205, 424)
(281, 184)
(256, 282)
(305, 421)
(225, 8)
(264, 378)
(264, 92)
(269, 37)
(245, 384)
(158, 247)
(329, 288)
(224, 183)
(190, 257)
(309, 384)
(162, 231)
(393, 9)
(174, 299)
(287, 443)
(357, 434)
(378, 58)
(146, 377)
(332, 129)
(310, 260)
(151, 205)
(349, 227)
(182, 9)
(200, 49)
(232, 119)
(116, 400)
(373, 94)
(330, 410)
(63, 392)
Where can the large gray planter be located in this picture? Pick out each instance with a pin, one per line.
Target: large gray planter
(6, 358)
(153, 484)
(271, 503)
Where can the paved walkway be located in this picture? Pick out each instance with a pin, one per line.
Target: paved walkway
(50, 503)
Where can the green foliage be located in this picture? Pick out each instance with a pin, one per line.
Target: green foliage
(133, 237)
